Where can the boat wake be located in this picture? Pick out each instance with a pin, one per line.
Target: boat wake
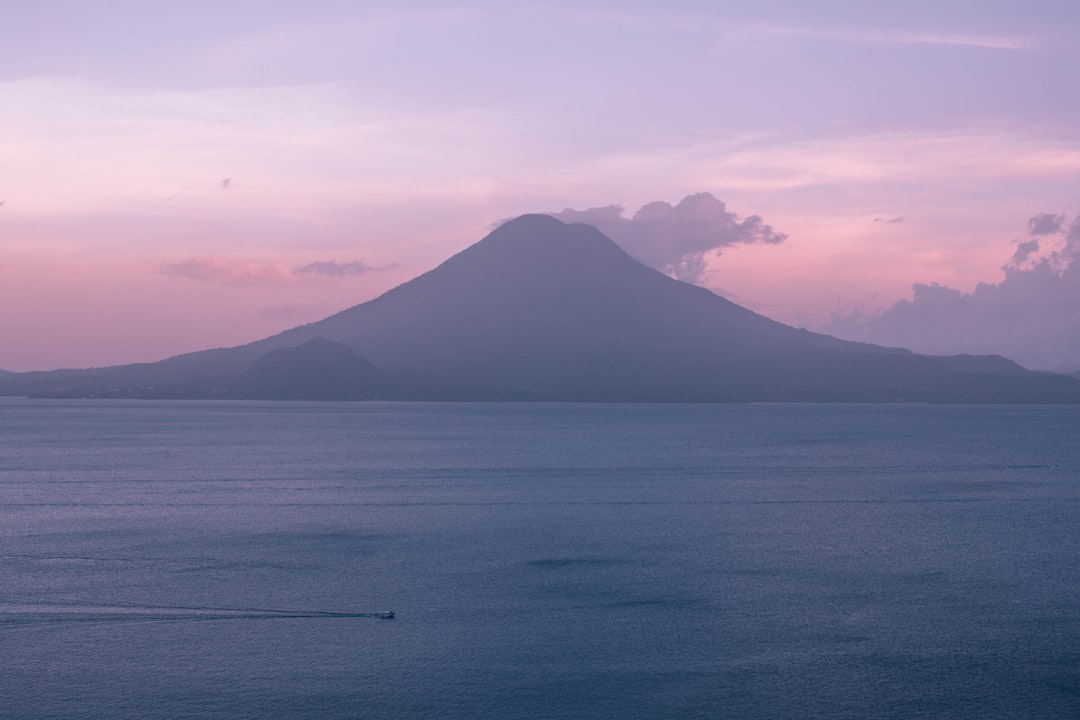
(37, 613)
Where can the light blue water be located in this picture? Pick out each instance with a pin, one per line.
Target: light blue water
(544, 561)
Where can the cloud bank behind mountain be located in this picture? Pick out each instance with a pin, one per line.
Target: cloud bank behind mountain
(1031, 316)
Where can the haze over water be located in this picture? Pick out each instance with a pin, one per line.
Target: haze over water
(756, 561)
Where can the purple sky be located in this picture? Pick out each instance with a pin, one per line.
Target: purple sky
(176, 176)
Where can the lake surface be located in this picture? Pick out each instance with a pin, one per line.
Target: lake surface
(179, 559)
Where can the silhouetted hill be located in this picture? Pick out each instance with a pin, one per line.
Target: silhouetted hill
(316, 370)
(542, 310)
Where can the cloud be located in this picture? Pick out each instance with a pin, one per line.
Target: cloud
(872, 36)
(1030, 316)
(247, 273)
(228, 271)
(1045, 224)
(676, 239)
(1023, 251)
(336, 269)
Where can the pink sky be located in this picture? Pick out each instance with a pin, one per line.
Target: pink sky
(378, 142)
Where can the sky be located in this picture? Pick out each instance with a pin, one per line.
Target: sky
(178, 176)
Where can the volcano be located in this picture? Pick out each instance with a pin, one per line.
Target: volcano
(545, 310)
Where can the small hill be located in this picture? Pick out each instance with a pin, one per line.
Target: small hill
(316, 370)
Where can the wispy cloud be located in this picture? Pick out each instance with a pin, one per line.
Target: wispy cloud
(228, 271)
(902, 157)
(336, 269)
(239, 272)
(713, 23)
(874, 36)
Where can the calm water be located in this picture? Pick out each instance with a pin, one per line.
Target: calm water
(544, 561)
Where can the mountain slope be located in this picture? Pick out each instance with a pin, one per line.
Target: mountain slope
(540, 309)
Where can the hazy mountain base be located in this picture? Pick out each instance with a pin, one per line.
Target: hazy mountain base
(542, 310)
(324, 370)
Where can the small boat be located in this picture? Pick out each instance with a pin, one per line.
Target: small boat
(387, 614)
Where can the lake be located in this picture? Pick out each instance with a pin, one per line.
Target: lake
(226, 560)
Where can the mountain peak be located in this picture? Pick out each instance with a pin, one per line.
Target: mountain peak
(538, 221)
(545, 244)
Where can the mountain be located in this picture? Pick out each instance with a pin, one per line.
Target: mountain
(542, 310)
